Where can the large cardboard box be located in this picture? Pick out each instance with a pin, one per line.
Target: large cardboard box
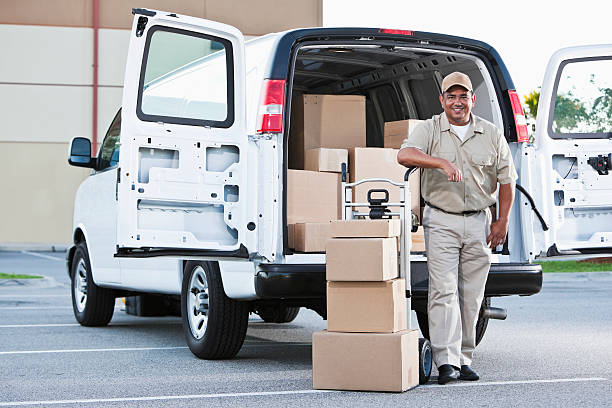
(312, 196)
(357, 307)
(333, 121)
(377, 162)
(325, 159)
(365, 361)
(366, 228)
(311, 237)
(361, 259)
(396, 132)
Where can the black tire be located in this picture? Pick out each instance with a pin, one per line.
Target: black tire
(425, 361)
(282, 314)
(481, 324)
(92, 304)
(224, 321)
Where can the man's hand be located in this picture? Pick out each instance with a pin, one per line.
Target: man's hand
(452, 171)
(499, 230)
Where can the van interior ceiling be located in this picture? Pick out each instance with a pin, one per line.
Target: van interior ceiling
(398, 83)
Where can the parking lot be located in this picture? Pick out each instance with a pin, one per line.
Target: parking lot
(553, 350)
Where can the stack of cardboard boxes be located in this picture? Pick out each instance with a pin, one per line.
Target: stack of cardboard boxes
(326, 131)
(366, 345)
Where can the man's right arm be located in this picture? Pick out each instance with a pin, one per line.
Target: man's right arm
(411, 156)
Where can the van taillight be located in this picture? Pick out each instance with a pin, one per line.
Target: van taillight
(394, 31)
(270, 115)
(522, 135)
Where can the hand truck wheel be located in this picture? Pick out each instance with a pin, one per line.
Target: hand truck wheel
(425, 361)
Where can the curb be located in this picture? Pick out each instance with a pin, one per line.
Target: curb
(44, 282)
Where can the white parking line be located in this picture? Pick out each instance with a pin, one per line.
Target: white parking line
(514, 382)
(4, 353)
(35, 307)
(14, 326)
(28, 295)
(250, 344)
(55, 258)
(252, 394)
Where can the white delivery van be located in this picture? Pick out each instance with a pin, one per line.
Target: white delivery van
(187, 199)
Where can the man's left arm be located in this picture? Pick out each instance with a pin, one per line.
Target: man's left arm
(499, 229)
(506, 176)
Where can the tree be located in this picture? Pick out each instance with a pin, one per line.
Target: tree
(531, 100)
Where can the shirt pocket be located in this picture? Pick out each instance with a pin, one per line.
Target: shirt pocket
(450, 156)
(482, 160)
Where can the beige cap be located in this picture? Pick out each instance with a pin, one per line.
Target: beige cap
(456, 78)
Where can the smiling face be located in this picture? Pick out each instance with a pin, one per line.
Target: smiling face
(457, 103)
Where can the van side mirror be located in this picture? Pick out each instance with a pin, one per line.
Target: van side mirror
(80, 153)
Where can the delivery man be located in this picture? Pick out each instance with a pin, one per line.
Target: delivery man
(463, 158)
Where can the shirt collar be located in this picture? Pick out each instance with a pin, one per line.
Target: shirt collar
(475, 123)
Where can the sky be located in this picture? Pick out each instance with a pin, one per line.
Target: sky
(525, 33)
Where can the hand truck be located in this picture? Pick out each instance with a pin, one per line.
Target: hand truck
(378, 205)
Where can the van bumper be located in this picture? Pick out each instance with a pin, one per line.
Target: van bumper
(307, 281)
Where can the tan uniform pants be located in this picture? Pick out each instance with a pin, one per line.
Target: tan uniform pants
(458, 261)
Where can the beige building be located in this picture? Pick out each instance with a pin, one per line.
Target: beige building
(48, 93)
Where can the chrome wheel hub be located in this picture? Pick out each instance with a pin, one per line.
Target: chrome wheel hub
(197, 303)
(80, 286)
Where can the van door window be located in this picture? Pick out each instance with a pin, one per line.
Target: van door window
(186, 79)
(582, 105)
(109, 151)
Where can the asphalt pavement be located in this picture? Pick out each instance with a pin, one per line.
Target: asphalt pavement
(554, 349)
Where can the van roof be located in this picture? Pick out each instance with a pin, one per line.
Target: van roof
(288, 39)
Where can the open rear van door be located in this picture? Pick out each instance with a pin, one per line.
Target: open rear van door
(571, 172)
(182, 180)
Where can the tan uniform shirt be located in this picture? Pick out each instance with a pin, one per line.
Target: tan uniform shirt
(483, 157)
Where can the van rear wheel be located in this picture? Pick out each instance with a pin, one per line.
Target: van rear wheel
(481, 324)
(214, 325)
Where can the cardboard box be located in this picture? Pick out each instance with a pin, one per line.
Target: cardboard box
(311, 237)
(332, 121)
(365, 361)
(366, 228)
(357, 307)
(312, 196)
(361, 259)
(290, 234)
(324, 159)
(376, 162)
(418, 241)
(396, 132)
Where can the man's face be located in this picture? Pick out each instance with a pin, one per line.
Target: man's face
(457, 103)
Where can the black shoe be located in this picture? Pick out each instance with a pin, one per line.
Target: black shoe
(447, 373)
(467, 374)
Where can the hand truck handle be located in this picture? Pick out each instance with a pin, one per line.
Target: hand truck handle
(409, 172)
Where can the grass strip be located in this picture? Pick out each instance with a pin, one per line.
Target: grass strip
(18, 276)
(573, 266)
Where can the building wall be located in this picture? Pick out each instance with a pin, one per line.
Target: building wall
(46, 91)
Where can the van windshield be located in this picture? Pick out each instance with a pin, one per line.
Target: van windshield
(582, 105)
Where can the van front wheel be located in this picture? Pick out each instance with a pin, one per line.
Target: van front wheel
(214, 325)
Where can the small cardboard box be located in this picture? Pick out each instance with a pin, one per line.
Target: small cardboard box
(365, 361)
(333, 121)
(311, 237)
(358, 307)
(366, 228)
(361, 259)
(312, 196)
(396, 132)
(376, 162)
(324, 159)
(418, 241)
(290, 234)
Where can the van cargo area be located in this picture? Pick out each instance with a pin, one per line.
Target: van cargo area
(398, 83)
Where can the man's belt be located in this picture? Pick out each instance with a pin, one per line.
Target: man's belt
(454, 213)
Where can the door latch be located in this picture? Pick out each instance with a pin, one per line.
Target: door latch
(601, 163)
